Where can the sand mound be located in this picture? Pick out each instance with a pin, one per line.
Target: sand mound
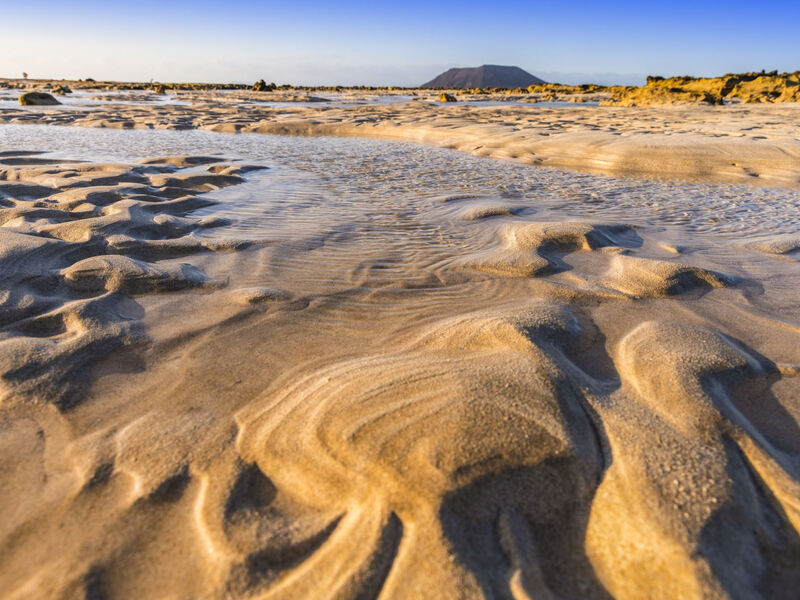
(120, 273)
(526, 250)
(641, 277)
(485, 211)
(779, 244)
(259, 295)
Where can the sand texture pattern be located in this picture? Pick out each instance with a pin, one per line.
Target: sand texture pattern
(462, 396)
(745, 143)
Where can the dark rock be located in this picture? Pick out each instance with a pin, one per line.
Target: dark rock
(262, 86)
(37, 99)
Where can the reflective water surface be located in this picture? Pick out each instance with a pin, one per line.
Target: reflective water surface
(340, 172)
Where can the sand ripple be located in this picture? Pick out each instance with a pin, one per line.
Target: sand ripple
(74, 239)
(458, 395)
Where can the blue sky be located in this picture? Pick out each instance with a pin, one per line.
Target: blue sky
(398, 43)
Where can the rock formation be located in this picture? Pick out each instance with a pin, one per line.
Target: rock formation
(262, 86)
(37, 99)
(744, 87)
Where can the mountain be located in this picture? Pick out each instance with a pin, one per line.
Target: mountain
(487, 76)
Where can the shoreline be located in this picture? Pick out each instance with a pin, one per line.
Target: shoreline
(754, 144)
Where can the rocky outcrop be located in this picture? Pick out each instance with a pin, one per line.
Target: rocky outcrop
(444, 97)
(763, 87)
(262, 86)
(661, 95)
(744, 87)
(37, 99)
(560, 88)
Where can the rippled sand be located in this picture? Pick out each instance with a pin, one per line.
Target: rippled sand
(257, 366)
(748, 143)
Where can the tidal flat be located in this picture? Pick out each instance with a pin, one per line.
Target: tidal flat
(375, 346)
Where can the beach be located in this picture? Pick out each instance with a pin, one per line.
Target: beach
(738, 143)
(371, 345)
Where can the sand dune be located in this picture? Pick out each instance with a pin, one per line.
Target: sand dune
(520, 406)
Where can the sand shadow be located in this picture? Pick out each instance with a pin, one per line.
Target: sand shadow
(532, 519)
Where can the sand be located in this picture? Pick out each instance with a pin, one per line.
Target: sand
(749, 143)
(467, 396)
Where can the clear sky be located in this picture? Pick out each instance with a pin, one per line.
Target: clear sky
(398, 43)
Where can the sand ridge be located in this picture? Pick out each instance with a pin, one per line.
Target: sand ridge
(527, 407)
(75, 239)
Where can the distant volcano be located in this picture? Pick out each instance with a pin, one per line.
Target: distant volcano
(487, 76)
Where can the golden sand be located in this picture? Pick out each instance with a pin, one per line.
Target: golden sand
(745, 143)
(553, 408)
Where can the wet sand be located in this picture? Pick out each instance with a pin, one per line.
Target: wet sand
(746, 143)
(345, 369)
